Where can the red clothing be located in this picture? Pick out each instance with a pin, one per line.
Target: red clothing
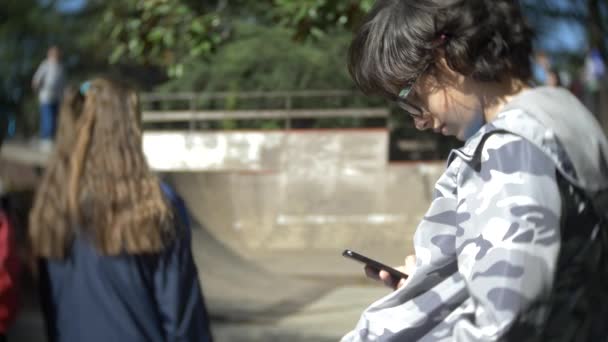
(9, 274)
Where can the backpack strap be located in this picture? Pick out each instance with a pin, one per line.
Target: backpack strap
(475, 162)
(599, 200)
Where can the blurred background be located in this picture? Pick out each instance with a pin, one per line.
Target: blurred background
(233, 46)
(250, 113)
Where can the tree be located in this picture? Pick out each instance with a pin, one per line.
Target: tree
(161, 32)
(312, 18)
(168, 33)
(315, 17)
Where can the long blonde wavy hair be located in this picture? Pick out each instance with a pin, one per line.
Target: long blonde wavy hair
(98, 182)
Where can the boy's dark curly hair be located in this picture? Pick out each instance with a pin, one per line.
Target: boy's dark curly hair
(487, 40)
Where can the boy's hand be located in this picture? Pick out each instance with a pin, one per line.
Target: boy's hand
(390, 281)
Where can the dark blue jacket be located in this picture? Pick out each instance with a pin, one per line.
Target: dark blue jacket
(134, 298)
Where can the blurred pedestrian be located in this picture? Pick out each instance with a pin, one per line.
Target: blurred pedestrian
(514, 246)
(116, 260)
(594, 73)
(10, 265)
(541, 67)
(553, 78)
(48, 81)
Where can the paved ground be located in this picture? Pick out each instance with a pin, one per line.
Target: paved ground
(325, 318)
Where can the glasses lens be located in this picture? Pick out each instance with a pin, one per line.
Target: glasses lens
(405, 92)
(411, 109)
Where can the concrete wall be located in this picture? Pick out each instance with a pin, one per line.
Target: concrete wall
(185, 151)
(249, 211)
(314, 190)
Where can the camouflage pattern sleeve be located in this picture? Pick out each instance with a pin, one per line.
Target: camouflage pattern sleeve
(486, 248)
(508, 247)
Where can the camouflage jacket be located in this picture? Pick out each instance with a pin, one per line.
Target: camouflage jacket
(489, 243)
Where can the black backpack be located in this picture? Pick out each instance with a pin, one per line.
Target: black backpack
(577, 308)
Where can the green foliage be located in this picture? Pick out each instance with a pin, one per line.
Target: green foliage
(159, 32)
(169, 33)
(266, 58)
(313, 18)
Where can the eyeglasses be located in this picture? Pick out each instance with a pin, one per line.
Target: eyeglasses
(413, 110)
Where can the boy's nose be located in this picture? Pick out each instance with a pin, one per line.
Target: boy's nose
(422, 124)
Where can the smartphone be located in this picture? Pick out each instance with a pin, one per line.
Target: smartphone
(374, 264)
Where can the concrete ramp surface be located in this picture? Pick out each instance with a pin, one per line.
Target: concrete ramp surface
(237, 289)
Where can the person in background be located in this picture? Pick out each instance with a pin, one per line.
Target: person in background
(593, 74)
(553, 78)
(10, 265)
(544, 73)
(514, 245)
(116, 261)
(48, 81)
(541, 67)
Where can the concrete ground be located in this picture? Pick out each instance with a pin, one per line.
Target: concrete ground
(326, 318)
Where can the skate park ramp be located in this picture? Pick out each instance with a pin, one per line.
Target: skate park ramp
(238, 290)
(271, 225)
(299, 191)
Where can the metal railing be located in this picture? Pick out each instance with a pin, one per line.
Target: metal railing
(287, 95)
(196, 114)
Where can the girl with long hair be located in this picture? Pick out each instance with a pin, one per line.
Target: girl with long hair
(116, 257)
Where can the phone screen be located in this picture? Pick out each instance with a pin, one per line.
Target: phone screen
(374, 264)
